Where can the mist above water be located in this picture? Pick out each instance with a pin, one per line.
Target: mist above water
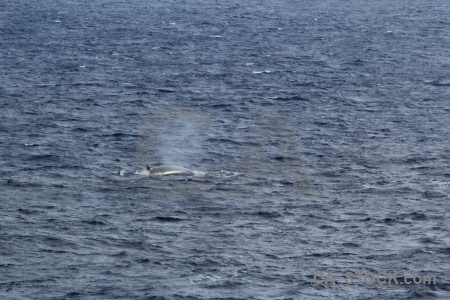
(174, 136)
(178, 143)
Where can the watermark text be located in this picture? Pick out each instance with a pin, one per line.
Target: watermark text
(362, 277)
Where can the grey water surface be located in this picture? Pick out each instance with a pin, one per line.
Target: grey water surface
(321, 130)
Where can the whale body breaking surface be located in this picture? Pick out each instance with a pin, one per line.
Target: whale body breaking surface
(165, 170)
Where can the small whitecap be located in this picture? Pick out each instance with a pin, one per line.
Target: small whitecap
(57, 21)
(260, 72)
(81, 67)
(199, 173)
(143, 172)
(229, 174)
(436, 182)
(249, 64)
(172, 23)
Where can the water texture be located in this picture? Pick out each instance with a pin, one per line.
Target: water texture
(322, 127)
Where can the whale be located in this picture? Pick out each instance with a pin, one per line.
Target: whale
(165, 170)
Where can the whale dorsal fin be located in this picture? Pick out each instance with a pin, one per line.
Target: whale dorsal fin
(148, 168)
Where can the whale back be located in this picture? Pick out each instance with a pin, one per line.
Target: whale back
(169, 170)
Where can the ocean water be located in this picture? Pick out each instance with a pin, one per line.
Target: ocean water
(322, 129)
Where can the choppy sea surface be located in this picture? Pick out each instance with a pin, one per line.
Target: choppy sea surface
(322, 129)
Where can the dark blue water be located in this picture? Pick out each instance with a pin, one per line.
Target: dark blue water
(323, 127)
